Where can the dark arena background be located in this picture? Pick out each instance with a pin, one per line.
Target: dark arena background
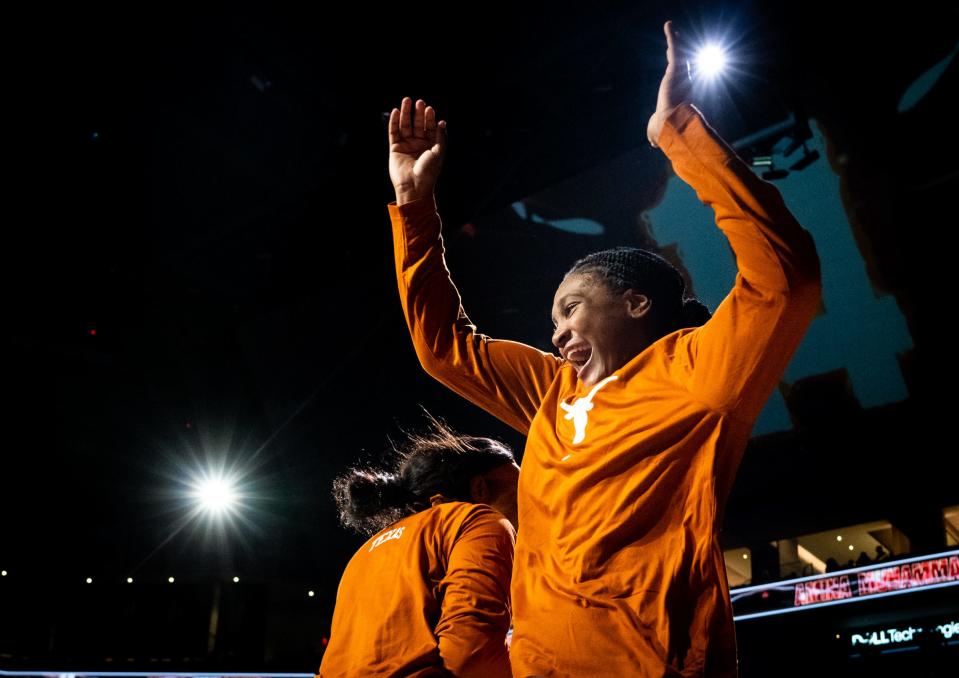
(199, 286)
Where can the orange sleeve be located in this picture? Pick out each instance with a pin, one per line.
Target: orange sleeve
(734, 361)
(475, 614)
(505, 378)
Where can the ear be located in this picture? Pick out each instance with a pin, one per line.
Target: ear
(637, 305)
(479, 490)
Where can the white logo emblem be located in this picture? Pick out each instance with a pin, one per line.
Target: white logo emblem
(387, 536)
(578, 411)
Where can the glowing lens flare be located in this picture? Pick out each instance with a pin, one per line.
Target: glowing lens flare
(710, 61)
(216, 495)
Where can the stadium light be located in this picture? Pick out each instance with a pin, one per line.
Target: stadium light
(709, 61)
(216, 494)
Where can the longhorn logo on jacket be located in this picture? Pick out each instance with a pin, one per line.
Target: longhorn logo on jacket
(579, 411)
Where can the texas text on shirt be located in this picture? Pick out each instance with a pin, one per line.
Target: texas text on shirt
(428, 596)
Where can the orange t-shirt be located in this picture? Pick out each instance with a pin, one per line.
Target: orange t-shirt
(619, 570)
(428, 596)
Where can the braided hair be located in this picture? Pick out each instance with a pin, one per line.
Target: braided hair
(440, 461)
(630, 268)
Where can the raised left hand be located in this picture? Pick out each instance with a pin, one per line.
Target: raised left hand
(675, 89)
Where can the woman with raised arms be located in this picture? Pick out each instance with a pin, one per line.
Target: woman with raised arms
(636, 429)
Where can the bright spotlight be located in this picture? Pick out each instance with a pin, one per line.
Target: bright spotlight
(217, 495)
(710, 61)
(236, 579)
(89, 580)
(311, 593)
(129, 580)
(171, 579)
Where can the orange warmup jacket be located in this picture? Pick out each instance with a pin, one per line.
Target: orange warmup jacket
(428, 596)
(619, 570)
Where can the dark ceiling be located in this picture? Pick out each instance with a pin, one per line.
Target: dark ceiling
(198, 262)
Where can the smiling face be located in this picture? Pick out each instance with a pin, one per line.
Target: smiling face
(597, 330)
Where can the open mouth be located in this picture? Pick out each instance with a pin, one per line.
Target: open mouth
(578, 357)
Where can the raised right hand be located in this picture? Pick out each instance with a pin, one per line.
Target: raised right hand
(417, 147)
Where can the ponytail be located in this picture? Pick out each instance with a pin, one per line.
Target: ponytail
(694, 313)
(368, 498)
(440, 461)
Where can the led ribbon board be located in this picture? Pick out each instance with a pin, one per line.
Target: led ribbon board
(847, 586)
(893, 639)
